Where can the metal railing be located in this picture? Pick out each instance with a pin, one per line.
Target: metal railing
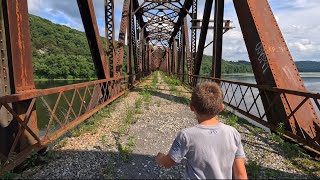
(246, 98)
(58, 110)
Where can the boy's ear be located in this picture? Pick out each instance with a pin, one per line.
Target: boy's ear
(222, 107)
(192, 108)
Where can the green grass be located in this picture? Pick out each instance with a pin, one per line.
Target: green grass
(62, 143)
(8, 175)
(253, 169)
(154, 80)
(109, 172)
(126, 150)
(104, 139)
(93, 123)
(231, 119)
(146, 95)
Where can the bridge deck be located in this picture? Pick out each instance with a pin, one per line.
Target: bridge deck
(122, 142)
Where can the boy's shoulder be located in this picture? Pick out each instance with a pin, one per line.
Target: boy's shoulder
(221, 126)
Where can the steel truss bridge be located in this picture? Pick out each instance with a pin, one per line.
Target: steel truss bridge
(159, 37)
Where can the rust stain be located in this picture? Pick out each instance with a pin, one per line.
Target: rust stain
(20, 43)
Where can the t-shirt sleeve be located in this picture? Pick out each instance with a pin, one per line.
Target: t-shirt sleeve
(240, 152)
(179, 148)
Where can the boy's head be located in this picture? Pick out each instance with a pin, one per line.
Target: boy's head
(207, 99)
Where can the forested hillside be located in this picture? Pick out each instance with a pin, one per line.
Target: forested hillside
(60, 52)
(227, 67)
(308, 66)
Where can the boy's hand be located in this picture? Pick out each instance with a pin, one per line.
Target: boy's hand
(164, 160)
(159, 157)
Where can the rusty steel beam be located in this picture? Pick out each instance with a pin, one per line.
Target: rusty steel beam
(273, 66)
(183, 51)
(194, 37)
(203, 36)
(218, 37)
(5, 88)
(138, 14)
(91, 28)
(130, 44)
(187, 49)
(19, 54)
(174, 56)
(110, 42)
(122, 35)
(141, 51)
(182, 14)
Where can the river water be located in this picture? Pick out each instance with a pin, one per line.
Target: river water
(311, 82)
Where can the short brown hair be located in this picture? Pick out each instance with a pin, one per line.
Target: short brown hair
(207, 98)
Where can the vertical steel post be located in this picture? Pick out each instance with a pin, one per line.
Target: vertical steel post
(187, 50)
(134, 44)
(110, 42)
(183, 51)
(175, 58)
(141, 51)
(218, 37)
(18, 41)
(194, 34)
(130, 44)
(118, 64)
(203, 35)
(5, 88)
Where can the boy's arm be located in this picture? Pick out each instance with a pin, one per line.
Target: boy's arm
(164, 160)
(239, 169)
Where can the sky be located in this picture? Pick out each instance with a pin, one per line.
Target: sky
(296, 19)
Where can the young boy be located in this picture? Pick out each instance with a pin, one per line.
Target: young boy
(213, 150)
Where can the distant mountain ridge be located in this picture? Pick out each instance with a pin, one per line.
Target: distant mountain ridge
(308, 66)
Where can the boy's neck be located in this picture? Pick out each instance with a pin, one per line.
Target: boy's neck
(207, 120)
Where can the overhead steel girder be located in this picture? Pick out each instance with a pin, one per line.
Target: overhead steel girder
(184, 11)
(273, 66)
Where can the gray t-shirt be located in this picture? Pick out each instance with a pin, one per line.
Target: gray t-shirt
(210, 151)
